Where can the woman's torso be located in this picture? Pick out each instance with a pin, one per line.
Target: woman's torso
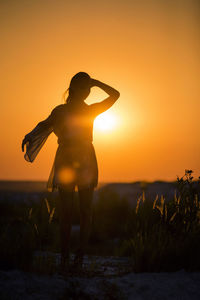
(75, 160)
(73, 124)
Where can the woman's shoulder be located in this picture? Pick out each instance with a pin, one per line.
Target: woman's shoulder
(58, 108)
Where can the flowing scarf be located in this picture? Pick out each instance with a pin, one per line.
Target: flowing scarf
(35, 140)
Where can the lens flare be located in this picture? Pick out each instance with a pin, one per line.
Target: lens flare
(66, 175)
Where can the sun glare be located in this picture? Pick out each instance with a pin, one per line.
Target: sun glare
(105, 122)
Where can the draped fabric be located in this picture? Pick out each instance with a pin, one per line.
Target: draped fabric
(75, 160)
(36, 139)
(74, 164)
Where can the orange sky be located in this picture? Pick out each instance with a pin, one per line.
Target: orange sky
(148, 50)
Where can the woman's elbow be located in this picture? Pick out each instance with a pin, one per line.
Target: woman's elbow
(116, 95)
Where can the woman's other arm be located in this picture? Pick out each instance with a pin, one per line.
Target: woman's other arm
(35, 139)
(44, 126)
(41, 126)
(102, 106)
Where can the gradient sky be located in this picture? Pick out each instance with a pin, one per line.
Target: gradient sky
(148, 50)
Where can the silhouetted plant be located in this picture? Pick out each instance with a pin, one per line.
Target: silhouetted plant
(23, 232)
(165, 235)
(159, 235)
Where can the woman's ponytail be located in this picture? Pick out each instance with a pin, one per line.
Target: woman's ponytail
(65, 98)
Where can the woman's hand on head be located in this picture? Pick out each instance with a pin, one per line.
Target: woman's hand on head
(93, 82)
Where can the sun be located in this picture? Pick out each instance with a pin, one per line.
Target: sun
(106, 121)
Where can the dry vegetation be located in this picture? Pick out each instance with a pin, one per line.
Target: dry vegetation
(157, 235)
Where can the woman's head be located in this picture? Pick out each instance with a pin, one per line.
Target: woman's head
(79, 87)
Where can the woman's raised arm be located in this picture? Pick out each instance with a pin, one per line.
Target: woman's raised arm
(100, 107)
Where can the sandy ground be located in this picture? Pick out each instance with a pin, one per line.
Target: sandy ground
(108, 283)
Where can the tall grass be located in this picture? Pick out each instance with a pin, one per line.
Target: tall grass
(23, 231)
(158, 235)
(165, 236)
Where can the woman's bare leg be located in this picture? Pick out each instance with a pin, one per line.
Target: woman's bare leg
(66, 197)
(85, 199)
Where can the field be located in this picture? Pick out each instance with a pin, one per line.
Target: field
(136, 228)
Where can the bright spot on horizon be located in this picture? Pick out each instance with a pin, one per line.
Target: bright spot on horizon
(105, 122)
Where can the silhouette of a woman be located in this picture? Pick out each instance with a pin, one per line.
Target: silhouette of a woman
(75, 162)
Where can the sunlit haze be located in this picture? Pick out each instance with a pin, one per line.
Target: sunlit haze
(147, 50)
(106, 122)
